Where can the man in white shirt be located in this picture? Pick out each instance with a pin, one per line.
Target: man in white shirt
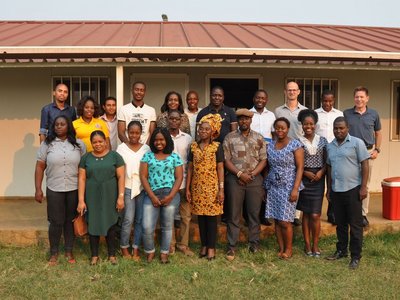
(192, 110)
(137, 110)
(326, 115)
(110, 117)
(182, 142)
(263, 119)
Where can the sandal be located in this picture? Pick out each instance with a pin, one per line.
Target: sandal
(70, 258)
(53, 260)
(164, 258)
(112, 260)
(94, 261)
(285, 256)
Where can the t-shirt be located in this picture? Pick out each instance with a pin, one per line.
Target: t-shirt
(161, 172)
(84, 130)
(145, 114)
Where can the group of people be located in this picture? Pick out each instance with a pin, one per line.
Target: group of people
(208, 162)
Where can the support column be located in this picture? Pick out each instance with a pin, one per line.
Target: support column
(119, 85)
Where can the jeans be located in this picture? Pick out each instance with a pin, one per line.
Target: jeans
(150, 217)
(133, 211)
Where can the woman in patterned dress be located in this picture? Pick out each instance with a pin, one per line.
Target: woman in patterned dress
(285, 158)
(205, 182)
(310, 199)
(173, 101)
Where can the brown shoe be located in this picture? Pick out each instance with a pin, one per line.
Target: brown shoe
(150, 257)
(136, 254)
(112, 260)
(171, 250)
(164, 258)
(94, 260)
(185, 250)
(125, 253)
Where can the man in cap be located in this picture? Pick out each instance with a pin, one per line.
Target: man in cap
(245, 158)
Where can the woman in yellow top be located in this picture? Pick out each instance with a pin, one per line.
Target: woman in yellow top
(89, 111)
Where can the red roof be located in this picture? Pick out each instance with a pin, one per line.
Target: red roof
(195, 39)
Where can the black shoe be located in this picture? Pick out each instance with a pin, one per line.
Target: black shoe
(254, 248)
(337, 255)
(354, 263)
(365, 222)
(266, 222)
(296, 222)
(331, 219)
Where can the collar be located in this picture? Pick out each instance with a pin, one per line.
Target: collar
(253, 109)
(356, 112)
(346, 139)
(66, 105)
(136, 106)
(213, 109)
(333, 110)
(286, 106)
(104, 117)
(180, 133)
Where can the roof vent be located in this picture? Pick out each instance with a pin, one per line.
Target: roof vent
(164, 17)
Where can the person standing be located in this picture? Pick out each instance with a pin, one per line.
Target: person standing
(245, 159)
(110, 117)
(365, 124)
(183, 215)
(263, 119)
(327, 113)
(290, 110)
(347, 171)
(101, 183)
(217, 106)
(59, 154)
(310, 198)
(205, 182)
(192, 110)
(139, 111)
(285, 164)
(54, 109)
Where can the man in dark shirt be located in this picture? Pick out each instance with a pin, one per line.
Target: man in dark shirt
(365, 124)
(53, 110)
(217, 106)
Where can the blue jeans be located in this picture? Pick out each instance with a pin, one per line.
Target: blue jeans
(150, 217)
(133, 211)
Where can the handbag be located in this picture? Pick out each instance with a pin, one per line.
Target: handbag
(80, 226)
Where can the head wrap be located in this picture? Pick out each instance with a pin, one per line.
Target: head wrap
(215, 122)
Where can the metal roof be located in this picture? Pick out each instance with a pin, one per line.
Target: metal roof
(110, 41)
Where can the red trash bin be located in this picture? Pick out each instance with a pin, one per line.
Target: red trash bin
(391, 198)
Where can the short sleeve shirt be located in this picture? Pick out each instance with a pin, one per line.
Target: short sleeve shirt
(161, 172)
(245, 152)
(363, 125)
(145, 114)
(345, 161)
(295, 130)
(62, 161)
(263, 123)
(227, 114)
(84, 130)
(325, 122)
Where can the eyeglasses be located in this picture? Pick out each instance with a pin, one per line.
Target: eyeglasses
(292, 91)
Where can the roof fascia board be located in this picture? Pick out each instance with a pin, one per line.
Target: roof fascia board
(250, 52)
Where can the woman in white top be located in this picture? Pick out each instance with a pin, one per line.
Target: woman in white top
(132, 153)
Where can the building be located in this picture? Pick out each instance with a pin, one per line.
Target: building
(104, 58)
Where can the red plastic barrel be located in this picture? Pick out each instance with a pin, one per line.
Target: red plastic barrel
(391, 198)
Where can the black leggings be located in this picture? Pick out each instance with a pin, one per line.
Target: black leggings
(61, 210)
(208, 231)
(110, 239)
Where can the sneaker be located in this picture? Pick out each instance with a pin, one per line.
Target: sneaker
(230, 255)
(354, 263)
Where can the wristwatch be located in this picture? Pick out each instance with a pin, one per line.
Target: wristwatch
(378, 150)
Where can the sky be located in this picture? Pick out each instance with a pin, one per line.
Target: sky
(337, 12)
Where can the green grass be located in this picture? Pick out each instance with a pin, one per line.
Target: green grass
(24, 274)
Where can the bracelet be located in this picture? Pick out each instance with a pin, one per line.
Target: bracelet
(239, 174)
(221, 185)
(121, 194)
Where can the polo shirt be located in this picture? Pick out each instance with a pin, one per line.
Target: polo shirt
(113, 130)
(263, 123)
(84, 130)
(182, 142)
(295, 130)
(227, 114)
(62, 161)
(245, 152)
(345, 161)
(325, 122)
(363, 125)
(192, 120)
(50, 112)
(145, 114)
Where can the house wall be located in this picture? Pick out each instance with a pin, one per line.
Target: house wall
(24, 91)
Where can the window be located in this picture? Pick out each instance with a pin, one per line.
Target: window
(79, 86)
(395, 112)
(312, 88)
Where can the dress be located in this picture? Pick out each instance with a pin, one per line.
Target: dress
(101, 191)
(204, 184)
(310, 198)
(280, 181)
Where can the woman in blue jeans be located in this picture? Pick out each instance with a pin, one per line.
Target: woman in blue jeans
(161, 174)
(132, 152)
